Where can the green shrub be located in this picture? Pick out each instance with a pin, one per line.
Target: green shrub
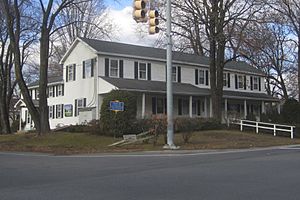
(291, 111)
(118, 123)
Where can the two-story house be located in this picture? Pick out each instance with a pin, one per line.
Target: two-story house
(92, 68)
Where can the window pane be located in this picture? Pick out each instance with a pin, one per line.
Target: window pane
(255, 83)
(224, 79)
(88, 68)
(201, 77)
(143, 71)
(114, 68)
(174, 77)
(70, 72)
(241, 82)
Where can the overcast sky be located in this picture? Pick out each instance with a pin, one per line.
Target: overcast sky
(120, 13)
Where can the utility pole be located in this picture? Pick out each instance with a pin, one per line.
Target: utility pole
(170, 132)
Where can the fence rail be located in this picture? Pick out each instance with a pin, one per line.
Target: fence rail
(267, 126)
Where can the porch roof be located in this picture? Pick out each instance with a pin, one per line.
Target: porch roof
(180, 89)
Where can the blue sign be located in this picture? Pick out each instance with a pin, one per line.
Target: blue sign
(116, 106)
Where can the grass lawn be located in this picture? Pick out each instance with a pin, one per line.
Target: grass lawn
(73, 143)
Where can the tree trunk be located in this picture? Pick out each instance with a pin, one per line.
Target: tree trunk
(299, 64)
(43, 105)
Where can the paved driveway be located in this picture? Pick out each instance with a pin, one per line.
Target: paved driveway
(241, 175)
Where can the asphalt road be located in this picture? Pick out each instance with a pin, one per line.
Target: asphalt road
(257, 174)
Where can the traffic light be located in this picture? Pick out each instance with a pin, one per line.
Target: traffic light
(139, 10)
(153, 21)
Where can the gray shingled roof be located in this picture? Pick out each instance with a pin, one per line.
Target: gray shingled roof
(150, 52)
(179, 89)
(53, 79)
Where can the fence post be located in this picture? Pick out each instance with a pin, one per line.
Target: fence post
(274, 129)
(256, 127)
(241, 125)
(292, 132)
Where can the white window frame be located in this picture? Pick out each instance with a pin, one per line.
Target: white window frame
(50, 89)
(110, 68)
(241, 82)
(146, 71)
(81, 100)
(51, 112)
(255, 83)
(174, 74)
(200, 76)
(59, 110)
(225, 79)
(71, 73)
(88, 74)
(59, 90)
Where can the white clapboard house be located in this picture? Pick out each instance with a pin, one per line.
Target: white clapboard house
(92, 68)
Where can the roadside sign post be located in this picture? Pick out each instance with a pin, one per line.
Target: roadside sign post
(116, 106)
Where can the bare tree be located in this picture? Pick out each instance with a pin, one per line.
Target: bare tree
(20, 28)
(269, 47)
(291, 10)
(207, 26)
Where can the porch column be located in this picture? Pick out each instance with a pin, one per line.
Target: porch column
(226, 109)
(278, 108)
(263, 108)
(245, 109)
(191, 107)
(143, 105)
(20, 120)
(210, 108)
(205, 107)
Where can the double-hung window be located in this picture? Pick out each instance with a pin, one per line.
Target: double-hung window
(60, 90)
(114, 68)
(50, 89)
(71, 72)
(241, 82)
(225, 81)
(59, 111)
(50, 112)
(174, 74)
(255, 83)
(142, 71)
(201, 77)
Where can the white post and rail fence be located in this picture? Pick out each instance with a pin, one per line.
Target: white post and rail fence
(267, 126)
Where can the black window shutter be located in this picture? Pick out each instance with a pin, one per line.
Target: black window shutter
(251, 82)
(149, 71)
(196, 77)
(154, 105)
(259, 83)
(136, 70)
(228, 79)
(84, 102)
(206, 77)
(62, 110)
(236, 82)
(198, 107)
(93, 62)
(179, 74)
(121, 73)
(179, 106)
(165, 101)
(63, 90)
(83, 69)
(53, 112)
(67, 71)
(106, 67)
(35, 95)
(56, 111)
(74, 72)
(75, 108)
(245, 82)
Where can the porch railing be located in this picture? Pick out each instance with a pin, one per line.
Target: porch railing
(267, 126)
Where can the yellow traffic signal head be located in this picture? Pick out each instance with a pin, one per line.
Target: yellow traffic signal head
(139, 10)
(153, 21)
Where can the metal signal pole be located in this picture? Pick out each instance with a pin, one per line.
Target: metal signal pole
(170, 132)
